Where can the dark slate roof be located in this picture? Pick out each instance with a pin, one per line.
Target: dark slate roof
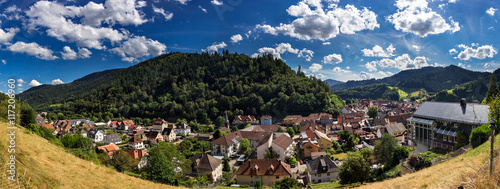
(92, 133)
(167, 131)
(472, 113)
(114, 138)
(317, 165)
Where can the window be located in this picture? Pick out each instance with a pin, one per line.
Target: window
(328, 174)
(277, 177)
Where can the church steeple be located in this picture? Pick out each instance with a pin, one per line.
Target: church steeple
(226, 123)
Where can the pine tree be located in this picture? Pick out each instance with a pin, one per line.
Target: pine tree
(492, 89)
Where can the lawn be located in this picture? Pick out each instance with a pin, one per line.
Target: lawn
(341, 156)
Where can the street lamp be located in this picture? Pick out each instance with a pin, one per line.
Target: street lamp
(492, 127)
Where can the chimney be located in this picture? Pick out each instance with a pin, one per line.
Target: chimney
(463, 102)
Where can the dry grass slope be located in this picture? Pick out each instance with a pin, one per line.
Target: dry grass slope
(41, 164)
(470, 170)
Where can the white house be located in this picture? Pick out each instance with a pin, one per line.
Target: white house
(159, 125)
(135, 143)
(95, 135)
(183, 128)
(321, 169)
(283, 145)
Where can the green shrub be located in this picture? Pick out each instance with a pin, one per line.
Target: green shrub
(479, 135)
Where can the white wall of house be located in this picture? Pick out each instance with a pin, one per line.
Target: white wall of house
(183, 131)
(139, 145)
(324, 177)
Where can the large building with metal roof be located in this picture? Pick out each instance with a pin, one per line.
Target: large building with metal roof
(436, 124)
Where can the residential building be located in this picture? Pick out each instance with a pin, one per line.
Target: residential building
(435, 124)
(267, 171)
(159, 125)
(310, 147)
(266, 120)
(125, 124)
(95, 135)
(135, 143)
(183, 128)
(154, 137)
(110, 149)
(396, 129)
(140, 156)
(283, 146)
(112, 139)
(40, 120)
(206, 165)
(169, 134)
(324, 142)
(321, 169)
(228, 145)
(244, 120)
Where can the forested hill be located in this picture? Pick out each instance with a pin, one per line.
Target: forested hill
(391, 80)
(374, 91)
(432, 79)
(193, 86)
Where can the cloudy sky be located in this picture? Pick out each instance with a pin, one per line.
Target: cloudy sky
(55, 42)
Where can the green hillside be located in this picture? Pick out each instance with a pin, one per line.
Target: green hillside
(188, 85)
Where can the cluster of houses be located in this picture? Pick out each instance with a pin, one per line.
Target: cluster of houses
(434, 124)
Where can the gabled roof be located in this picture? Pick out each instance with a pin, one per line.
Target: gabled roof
(283, 141)
(321, 165)
(395, 127)
(236, 136)
(135, 140)
(265, 117)
(152, 134)
(266, 128)
(110, 148)
(471, 113)
(137, 153)
(128, 122)
(322, 135)
(203, 161)
(167, 131)
(264, 167)
(112, 138)
(159, 121)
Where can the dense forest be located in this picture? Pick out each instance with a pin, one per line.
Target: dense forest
(193, 86)
(374, 91)
(474, 91)
(441, 79)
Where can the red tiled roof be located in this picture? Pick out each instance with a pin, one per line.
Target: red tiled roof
(264, 167)
(283, 141)
(110, 148)
(48, 126)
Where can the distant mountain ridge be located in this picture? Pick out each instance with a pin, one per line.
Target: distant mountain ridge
(391, 80)
(432, 79)
(333, 82)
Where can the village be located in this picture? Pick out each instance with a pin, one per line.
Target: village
(255, 152)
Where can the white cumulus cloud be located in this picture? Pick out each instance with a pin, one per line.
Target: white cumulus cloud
(215, 47)
(167, 15)
(32, 49)
(57, 82)
(277, 51)
(315, 22)
(403, 62)
(414, 16)
(4, 61)
(378, 51)
(481, 52)
(315, 67)
(332, 59)
(491, 11)
(8, 34)
(138, 47)
(236, 38)
(306, 54)
(34, 83)
(70, 54)
(217, 2)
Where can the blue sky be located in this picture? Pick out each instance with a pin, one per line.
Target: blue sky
(55, 42)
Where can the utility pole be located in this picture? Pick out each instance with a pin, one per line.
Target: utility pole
(492, 141)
